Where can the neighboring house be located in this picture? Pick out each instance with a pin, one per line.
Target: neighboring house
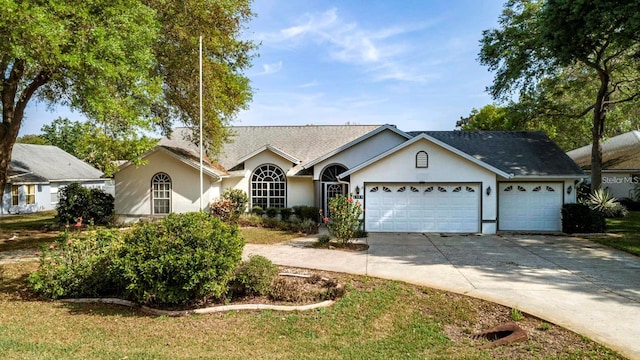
(427, 181)
(620, 163)
(38, 172)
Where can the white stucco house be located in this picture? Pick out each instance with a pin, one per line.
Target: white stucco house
(38, 172)
(620, 163)
(419, 181)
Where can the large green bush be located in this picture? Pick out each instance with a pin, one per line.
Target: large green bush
(77, 202)
(79, 265)
(183, 259)
(580, 218)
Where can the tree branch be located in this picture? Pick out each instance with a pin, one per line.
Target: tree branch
(40, 79)
(627, 99)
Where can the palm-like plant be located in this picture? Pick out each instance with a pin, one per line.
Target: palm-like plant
(605, 203)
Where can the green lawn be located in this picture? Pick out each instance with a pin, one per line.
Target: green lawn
(377, 319)
(30, 230)
(254, 235)
(626, 231)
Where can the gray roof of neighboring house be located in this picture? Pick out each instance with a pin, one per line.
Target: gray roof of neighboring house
(45, 163)
(521, 153)
(620, 152)
(305, 143)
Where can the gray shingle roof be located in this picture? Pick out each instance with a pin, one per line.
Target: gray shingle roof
(39, 163)
(305, 143)
(620, 152)
(521, 153)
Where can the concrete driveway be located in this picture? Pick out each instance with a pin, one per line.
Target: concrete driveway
(583, 286)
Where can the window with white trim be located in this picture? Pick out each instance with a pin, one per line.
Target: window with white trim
(422, 159)
(30, 194)
(161, 193)
(268, 187)
(15, 195)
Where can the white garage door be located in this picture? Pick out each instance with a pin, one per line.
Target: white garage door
(422, 208)
(529, 206)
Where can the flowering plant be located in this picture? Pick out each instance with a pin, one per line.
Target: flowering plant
(344, 217)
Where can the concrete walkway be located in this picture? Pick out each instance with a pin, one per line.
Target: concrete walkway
(583, 286)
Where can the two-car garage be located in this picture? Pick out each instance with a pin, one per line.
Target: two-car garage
(456, 207)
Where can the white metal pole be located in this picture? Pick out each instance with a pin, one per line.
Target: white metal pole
(201, 152)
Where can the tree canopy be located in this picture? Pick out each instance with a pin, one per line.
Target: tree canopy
(582, 56)
(127, 65)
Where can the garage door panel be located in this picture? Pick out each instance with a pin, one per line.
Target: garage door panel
(422, 208)
(530, 206)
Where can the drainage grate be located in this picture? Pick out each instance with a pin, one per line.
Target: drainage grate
(501, 335)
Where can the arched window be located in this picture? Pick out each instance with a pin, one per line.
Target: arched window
(161, 193)
(422, 159)
(268, 187)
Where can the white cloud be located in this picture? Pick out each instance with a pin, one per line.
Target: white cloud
(313, 83)
(377, 52)
(268, 69)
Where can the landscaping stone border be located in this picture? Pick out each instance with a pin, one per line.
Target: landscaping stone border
(207, 310)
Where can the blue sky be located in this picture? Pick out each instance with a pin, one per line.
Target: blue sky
(408, 63)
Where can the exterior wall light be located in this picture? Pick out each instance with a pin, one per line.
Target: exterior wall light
(569, 189)
(488, 191)
(357, 190)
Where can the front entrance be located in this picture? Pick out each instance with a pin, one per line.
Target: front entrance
(331, 190)
(330, 185)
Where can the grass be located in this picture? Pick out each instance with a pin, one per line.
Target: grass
(628, 231)
(31, 230)
(264, 236)
(377, 319)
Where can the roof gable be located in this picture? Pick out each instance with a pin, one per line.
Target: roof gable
(354, 142)
(423, 136)
(621, 152)
(187, 157)
(41, 163)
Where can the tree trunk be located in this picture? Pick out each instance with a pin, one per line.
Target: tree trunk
(597, 129)
(8, 134)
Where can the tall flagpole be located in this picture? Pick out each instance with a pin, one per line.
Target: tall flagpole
(201, 167)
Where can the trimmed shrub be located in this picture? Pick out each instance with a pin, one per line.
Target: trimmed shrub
(78, 203)
(255, 276)
(239, 198)
(257, 210)
(308, 227)
(580, 218)
(272, 212)
(285, 214)
(183, 259)
(79, 265)
(306, 212)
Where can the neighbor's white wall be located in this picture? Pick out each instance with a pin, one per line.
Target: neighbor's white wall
(361, 152)
(619, 184)
(444, 166)
(133, 186)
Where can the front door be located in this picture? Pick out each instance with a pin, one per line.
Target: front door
(331, 189)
